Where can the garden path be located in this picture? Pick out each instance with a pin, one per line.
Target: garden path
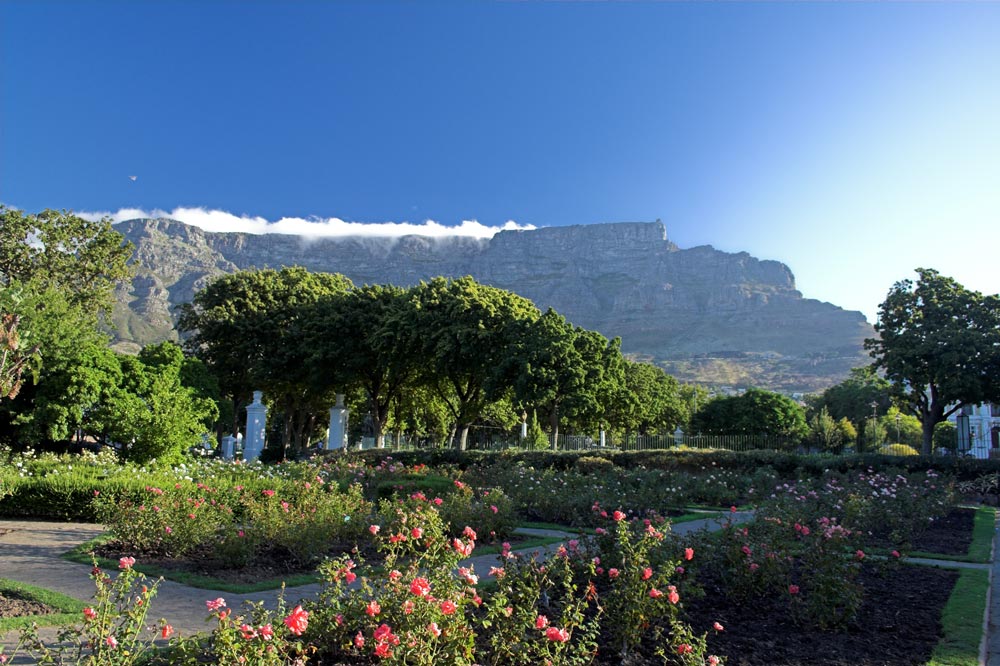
(30, 550)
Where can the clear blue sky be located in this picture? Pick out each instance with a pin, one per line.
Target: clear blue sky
(853, 141)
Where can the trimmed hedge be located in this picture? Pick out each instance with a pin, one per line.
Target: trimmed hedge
(784, 463)
(67, 498)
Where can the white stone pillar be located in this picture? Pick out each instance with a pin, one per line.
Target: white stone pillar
(228, 447)
(256, 429)
(338, 425)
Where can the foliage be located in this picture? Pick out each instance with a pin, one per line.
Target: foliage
(72, 379)
(81, 259)
(300, 519)
(151, 413)
(828, 435)
(464, 332)
(648, 400)
(945, 436)
(561, 369)
(350, 342)
(16, 357)
(246, 328)
(261, 636)
(755, 411)
(641, 589)
(112, 629)
(852, 399)
(898, 450)
(939, 344)
(536, 440)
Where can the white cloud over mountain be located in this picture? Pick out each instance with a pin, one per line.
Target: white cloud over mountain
(223, 221)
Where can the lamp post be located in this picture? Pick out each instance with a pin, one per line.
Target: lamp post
(874, 422)
(897, 427)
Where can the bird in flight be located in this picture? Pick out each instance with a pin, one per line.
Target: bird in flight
(132, 178)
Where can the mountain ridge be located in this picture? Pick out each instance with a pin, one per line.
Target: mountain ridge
(701, 313)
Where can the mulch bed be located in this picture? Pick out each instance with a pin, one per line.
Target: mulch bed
(950, 535)
(14, 606)
(269, 564)
(898, 624)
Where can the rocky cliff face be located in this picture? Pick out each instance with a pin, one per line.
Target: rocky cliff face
(703, 314)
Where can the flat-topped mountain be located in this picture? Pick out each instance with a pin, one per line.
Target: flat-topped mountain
(703, 314)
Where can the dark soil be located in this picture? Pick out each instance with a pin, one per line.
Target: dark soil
(269, 564)
(12, 605)
(950, 535)
(898, 624)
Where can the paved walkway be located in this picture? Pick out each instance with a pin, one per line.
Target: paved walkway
(30, 550)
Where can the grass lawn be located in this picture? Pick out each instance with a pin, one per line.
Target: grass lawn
(962, 621)
(982, 539)
(68, 607)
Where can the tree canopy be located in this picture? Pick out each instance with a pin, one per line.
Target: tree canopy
(56, 249)
(247, 328)
(754, 412)
(856, 399)
(463, 332)
(17, 354)
(939, 345)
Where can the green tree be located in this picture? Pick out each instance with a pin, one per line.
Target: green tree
(247, 329)
(56, 249)
(755, 412)
(16, 356)
(150, 412)
(350, 341)
(77, 363)
(857, 398)
(946, 436)
(463, 334)
(939, 345)
(828, 434)
(560, 369)
(193, 373)
(658, 395)
(902, 428)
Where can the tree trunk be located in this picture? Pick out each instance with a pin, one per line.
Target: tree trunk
(554, 424)
(927, 445)
(463, 438)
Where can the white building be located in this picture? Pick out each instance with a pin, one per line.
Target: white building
(984, 428)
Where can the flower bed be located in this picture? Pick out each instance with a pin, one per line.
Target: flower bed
(632, 594)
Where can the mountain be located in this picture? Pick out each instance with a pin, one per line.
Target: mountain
(704, 315)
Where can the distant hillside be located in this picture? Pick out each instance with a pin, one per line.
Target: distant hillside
(704, 315)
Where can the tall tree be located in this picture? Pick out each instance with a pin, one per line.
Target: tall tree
(71, 378)
(81, 258)
(351, 343)
(149, 411)
(661, 404)
(939, 344)
(559, 369)
(857, 398)
(755, 412)
(246, 327)
(463, 332)
(828, 434)
(17, 354)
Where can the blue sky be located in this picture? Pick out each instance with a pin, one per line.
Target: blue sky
(852, 141)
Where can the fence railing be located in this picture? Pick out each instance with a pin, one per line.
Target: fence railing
(498, 440)
(727, 442)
